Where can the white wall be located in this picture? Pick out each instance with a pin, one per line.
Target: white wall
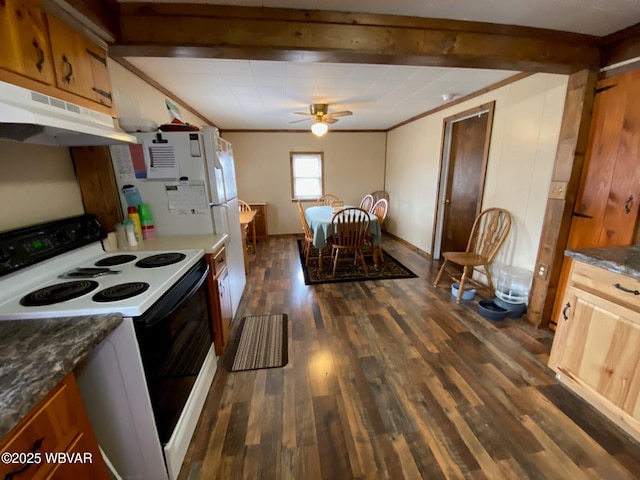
(135, 98)
(524, 139)
(37, 184)
(353, 167)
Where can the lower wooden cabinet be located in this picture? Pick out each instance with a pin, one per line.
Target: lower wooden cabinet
(220, 298)
(260, 221)
(58, 425)
(595, 349)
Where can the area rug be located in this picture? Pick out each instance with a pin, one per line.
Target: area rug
(260, 342)
(347, 271)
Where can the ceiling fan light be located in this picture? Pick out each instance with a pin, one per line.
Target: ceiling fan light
(319, 128)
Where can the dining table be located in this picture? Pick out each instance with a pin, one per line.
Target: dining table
(320, 220)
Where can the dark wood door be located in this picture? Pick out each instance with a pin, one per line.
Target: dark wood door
(465, 180)
(606, 207)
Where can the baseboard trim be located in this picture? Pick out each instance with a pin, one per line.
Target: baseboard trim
(410, 246)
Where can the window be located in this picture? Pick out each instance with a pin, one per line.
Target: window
(306, 175)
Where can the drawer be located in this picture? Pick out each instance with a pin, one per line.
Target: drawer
(218, 261)
(614, 286)
(51, 428)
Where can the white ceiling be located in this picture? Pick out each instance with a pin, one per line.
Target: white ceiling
(261, 95)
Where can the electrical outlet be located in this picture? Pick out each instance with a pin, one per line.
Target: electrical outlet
(542, 271)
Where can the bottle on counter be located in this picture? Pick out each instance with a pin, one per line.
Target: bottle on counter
(121, 236)
(132, 214)
(130, 231)
(146, 222)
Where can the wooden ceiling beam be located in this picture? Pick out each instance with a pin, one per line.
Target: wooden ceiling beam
(98, 16)
(208, 31)
(621, 46)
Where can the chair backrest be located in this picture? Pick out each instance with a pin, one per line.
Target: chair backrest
(367, 202)
(380, 210)
(243, 206)
(378, 194)
(350, 227)
(489, 232)
(327, 199)
(305, 226)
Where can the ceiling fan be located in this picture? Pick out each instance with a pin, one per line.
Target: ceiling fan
(320, 113)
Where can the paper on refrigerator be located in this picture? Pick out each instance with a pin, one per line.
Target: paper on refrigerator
(187, 198)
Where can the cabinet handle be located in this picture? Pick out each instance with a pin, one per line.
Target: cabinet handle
(67, 77)
(40, 52)
(564, 311)
(97, 56)
(34, 448)
(626, 290)
(627, 204)
(102, 93)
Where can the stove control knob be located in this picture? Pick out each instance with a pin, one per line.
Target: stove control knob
(61, 236)
(4, 256)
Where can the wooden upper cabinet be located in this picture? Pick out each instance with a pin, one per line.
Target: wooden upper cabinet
(80, 65)
(24, 43)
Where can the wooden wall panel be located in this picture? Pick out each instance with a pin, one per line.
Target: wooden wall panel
(574, 134)
(98, 184)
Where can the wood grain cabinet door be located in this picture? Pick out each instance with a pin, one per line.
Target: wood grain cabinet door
(226, 308)
(597, 347)
(79, 65)
(24, 43)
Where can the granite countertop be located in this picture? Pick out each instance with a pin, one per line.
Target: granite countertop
(35, 355)
(624, 260)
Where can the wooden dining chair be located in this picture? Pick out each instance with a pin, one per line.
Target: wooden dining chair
(379, 195)
(350, 226)
(327, 200)
(367, 202)
(379, 209)
(245, 207)
(308, 234)
(489, 231)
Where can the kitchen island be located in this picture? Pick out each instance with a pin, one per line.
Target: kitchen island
(595, 349)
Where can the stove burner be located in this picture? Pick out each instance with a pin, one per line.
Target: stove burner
(160, 260)
(120, 292)
(115, 260)
(60, 292)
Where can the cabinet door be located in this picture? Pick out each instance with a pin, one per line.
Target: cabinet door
(101, 85)
(81, 460)
(226, 309)
(24, 44)
(80, 65)
(597, 347)
(58, 423)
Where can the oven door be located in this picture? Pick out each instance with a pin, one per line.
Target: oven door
(174, 337)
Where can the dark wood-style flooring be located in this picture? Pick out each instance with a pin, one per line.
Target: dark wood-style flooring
(390, 380)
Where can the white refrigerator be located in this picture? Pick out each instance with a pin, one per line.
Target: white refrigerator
(188, 180)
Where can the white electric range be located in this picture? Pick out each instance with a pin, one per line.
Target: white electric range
(144, 386)
(89, 281)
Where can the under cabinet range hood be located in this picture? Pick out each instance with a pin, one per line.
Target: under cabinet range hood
(32, 117)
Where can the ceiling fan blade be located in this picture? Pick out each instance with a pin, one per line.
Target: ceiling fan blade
(303, 120)
(305, 113)
(343, 113)
(328, 119)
